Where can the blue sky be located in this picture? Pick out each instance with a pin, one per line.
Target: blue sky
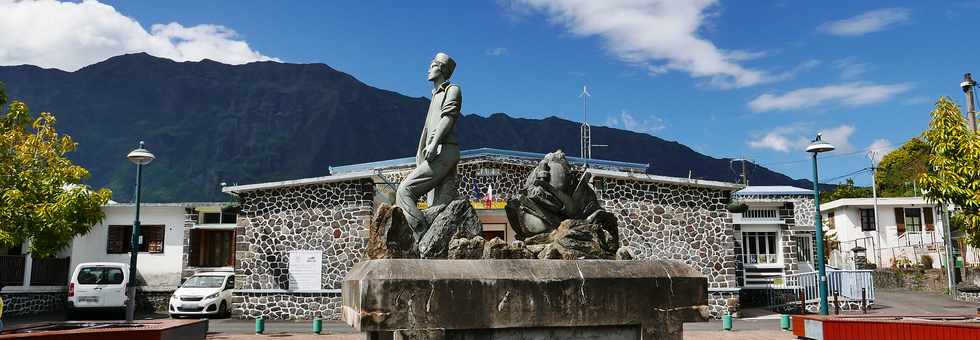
(751, 79)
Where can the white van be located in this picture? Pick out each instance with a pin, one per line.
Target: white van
(98, 286)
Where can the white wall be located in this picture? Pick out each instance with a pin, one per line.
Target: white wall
(847, 221)
(161, 270)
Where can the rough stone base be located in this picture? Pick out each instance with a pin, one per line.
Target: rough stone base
(287, 306)
(156, 301)
(973, 297)
(21, 304)
(524, 299)
(723, 302)
(544, 333)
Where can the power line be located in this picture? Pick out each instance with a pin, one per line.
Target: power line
(825, 157)
(847, 175)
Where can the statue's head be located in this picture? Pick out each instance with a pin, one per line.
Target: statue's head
(442, 65)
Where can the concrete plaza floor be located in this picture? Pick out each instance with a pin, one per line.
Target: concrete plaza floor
(759, 326)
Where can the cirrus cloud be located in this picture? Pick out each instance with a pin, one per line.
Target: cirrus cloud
(848, 94)
(68, 36)
(867, 22)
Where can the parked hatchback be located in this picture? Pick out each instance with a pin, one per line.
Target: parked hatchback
(204, 294)
(97, 286)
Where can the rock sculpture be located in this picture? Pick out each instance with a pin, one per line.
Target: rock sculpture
(559, 216)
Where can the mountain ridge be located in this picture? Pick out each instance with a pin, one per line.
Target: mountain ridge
(209, 123)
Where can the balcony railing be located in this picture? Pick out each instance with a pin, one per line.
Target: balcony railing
(760, 259)
(761, 215)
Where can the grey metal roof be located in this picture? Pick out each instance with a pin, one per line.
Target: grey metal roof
(754, 190)
(481, 152)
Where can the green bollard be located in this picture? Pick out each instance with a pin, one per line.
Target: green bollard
(259, 325)
(317, 325)
(726, 322)
(784, 322)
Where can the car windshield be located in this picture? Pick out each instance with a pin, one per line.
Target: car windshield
(204, 282)
(100, 276)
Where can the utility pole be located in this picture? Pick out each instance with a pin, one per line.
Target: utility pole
(586, 133)
(950, 260)
(873, 155)
(969, 86)
(744, 175)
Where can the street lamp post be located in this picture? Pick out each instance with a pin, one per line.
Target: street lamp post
(140, 157)
(818, 146)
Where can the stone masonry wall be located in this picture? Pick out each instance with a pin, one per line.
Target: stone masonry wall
(658, 220)
(686, 223)
(22, 304)
(331, 217)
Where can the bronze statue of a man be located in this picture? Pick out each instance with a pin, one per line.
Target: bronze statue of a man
(438, 151)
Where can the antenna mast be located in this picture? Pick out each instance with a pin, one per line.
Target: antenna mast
(586, 133)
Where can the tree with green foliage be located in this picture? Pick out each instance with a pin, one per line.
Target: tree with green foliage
(42, 198)
(899, 169)
(953, 176)
(846, 190)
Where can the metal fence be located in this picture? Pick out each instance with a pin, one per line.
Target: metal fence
(12, 270)
(848, 284)
(50, 271)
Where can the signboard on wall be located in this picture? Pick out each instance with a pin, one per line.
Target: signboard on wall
(305, 269)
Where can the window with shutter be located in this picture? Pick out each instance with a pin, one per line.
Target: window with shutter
(152, 238)
(117, 239)
(900, 220)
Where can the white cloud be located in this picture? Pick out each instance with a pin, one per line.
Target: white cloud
(796, 137)
(848, 94)
(498, 51)
(627, 121)
(867, 22)
(658, 35)
(882, 146)
(69, 35)
(850, 68)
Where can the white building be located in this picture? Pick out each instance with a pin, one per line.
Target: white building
(775, 234)
(906, 228)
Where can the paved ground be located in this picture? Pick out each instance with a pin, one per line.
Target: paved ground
(759, 326)
(688, 335)
(905, 302)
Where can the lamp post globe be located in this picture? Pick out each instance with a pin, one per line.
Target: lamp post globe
(140, 156)
(818, 146)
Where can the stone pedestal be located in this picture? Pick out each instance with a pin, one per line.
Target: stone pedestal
(523, 299)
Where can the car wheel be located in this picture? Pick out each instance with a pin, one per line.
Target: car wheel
(223, 310)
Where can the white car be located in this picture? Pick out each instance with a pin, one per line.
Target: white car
(97, 286)
(204, 294)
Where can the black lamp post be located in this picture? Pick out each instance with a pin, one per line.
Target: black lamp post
(140, 157)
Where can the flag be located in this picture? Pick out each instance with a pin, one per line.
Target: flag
(488, 199)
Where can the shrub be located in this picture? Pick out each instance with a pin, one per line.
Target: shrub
(926, 261)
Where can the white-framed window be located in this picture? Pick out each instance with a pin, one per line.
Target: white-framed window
(760, 247)
(218, 218)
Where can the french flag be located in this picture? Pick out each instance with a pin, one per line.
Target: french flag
(488, 199)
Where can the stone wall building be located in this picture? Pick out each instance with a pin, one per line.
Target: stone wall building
(660, 218)
(774, 239)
